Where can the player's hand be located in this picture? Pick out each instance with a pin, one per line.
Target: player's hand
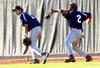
(48, 14)
(89, 20)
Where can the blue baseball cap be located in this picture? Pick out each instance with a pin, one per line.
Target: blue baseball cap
(73, 5)
(17, 8)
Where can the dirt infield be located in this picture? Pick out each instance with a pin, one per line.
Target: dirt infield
(51, 58)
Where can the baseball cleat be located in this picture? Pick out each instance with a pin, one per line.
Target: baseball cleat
(44, 56)
(70, 60)
(89, 58)
(35, 61)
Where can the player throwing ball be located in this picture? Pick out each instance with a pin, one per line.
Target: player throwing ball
(74, 20)
(32, 31)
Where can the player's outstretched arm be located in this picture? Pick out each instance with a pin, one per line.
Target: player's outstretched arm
(63, 12)
(51, 11)
(56, 10)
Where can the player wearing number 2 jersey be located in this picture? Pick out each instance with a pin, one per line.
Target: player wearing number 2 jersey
(74, 20)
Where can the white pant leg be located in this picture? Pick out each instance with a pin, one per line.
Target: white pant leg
(79, 51)
(70, 38)
(33, 54)
(68, 45)
(75, 47)
(33, 35)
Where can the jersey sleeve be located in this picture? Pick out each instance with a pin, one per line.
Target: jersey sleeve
(23, 19)
(87, 15)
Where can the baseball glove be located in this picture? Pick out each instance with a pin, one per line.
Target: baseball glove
(48, 14)
(26, 41)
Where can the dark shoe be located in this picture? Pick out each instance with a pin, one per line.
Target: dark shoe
(89, 58)
(35, 61)
(71, 59)
(45, 56)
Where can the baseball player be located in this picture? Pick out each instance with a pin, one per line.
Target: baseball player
(74, 20)
(32, 31)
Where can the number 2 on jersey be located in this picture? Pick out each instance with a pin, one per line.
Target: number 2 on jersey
(78, 18)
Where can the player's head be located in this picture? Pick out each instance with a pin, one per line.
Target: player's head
(73, 6)
(17, 10)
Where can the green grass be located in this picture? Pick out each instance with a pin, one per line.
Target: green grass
(54, 65)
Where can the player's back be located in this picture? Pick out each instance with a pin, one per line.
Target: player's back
(30, 20)
(75, 19)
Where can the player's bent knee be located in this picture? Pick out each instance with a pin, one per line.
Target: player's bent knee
(74, 43)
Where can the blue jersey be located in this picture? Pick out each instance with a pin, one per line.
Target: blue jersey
(75, 18)
(30, 20)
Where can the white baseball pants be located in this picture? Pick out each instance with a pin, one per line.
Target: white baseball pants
(34, 35)
(74, 36)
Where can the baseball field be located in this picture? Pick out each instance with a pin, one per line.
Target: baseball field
(54, 61)
(54, 65)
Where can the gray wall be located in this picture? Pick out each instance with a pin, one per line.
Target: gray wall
(54, 30)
